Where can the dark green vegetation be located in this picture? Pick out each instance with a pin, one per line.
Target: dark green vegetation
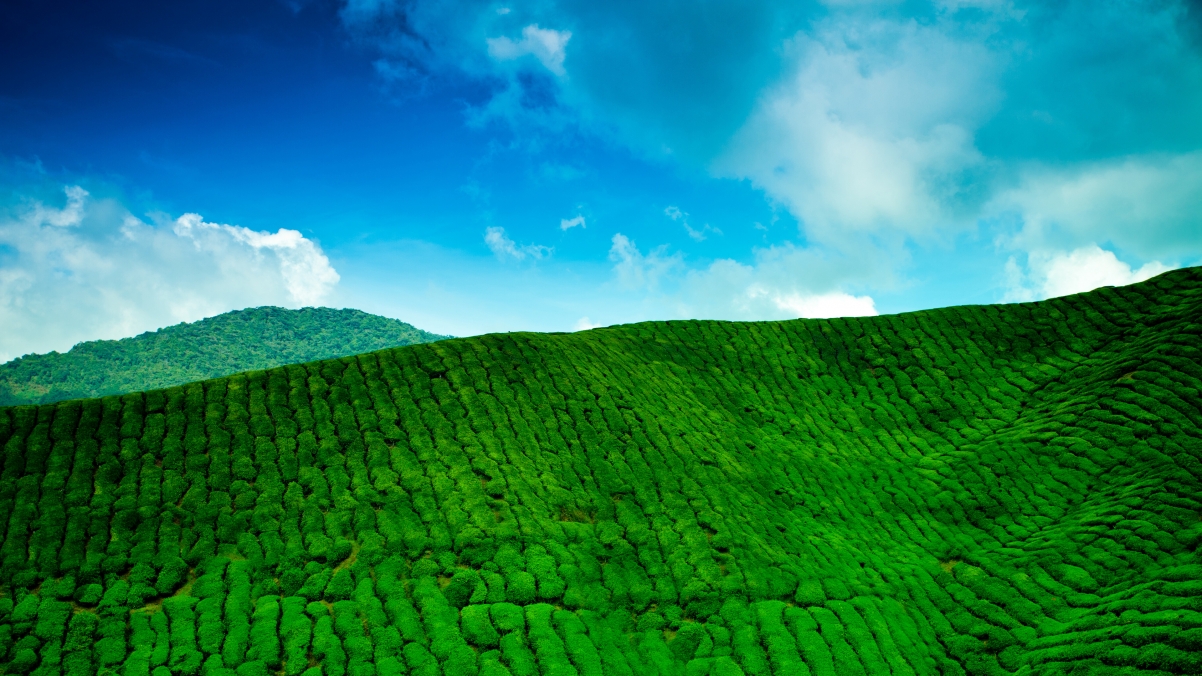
(257, 338)
(974, 490)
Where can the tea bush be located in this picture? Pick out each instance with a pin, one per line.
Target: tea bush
(973, 490)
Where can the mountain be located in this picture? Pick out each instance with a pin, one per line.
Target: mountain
(970, 490)
(256, 338)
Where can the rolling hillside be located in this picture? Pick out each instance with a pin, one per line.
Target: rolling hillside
(972, 490)
(256, 338)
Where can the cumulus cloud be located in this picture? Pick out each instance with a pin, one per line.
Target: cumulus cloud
(636, 270)
(1050, 274)
(569, 223)
(1149, 205)
(872, 131)
(305, 270)
(545, 44)
(827, 305)
(505, 248)
(90, 269)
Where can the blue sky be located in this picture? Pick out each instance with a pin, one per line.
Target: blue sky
(493, 166)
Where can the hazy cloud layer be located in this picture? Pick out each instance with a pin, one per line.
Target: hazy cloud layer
(90, 269)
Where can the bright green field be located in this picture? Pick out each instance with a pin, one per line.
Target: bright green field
(980, 490)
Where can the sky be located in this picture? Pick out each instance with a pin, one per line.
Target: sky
(472, 167)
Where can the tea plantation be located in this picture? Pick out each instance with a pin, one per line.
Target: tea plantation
(973, 490)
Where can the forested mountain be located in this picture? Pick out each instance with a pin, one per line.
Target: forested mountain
(256, 338)
(971, 490)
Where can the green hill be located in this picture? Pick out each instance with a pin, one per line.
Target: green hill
(256, 338)
(972, 490)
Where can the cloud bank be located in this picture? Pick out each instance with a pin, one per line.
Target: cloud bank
(90, 270)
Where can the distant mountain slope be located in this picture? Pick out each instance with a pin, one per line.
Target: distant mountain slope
(255, 338)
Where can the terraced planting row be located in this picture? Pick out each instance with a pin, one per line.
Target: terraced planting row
(974, 490)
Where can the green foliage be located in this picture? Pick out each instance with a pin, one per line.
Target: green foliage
(255, 338)
(978, 490)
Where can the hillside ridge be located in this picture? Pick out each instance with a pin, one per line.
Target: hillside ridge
(1005, 489)
(241, 340)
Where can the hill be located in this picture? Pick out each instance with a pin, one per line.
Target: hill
(256, 338)
(971, 490)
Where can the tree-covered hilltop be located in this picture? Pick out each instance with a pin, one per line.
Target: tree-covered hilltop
(256, 338)
(972, 490)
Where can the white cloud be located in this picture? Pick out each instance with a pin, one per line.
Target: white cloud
(501, 245)
(636, 270)
(1148, 205)
(92, 270)
(783, 282)
(504, 247)
(872, 131)
(584, 324)
(827, 305)
(1050, 274)
(569, 223)
(697, 235)
(701, 235)
(545, 44)
(69, 215)
(306, 271)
